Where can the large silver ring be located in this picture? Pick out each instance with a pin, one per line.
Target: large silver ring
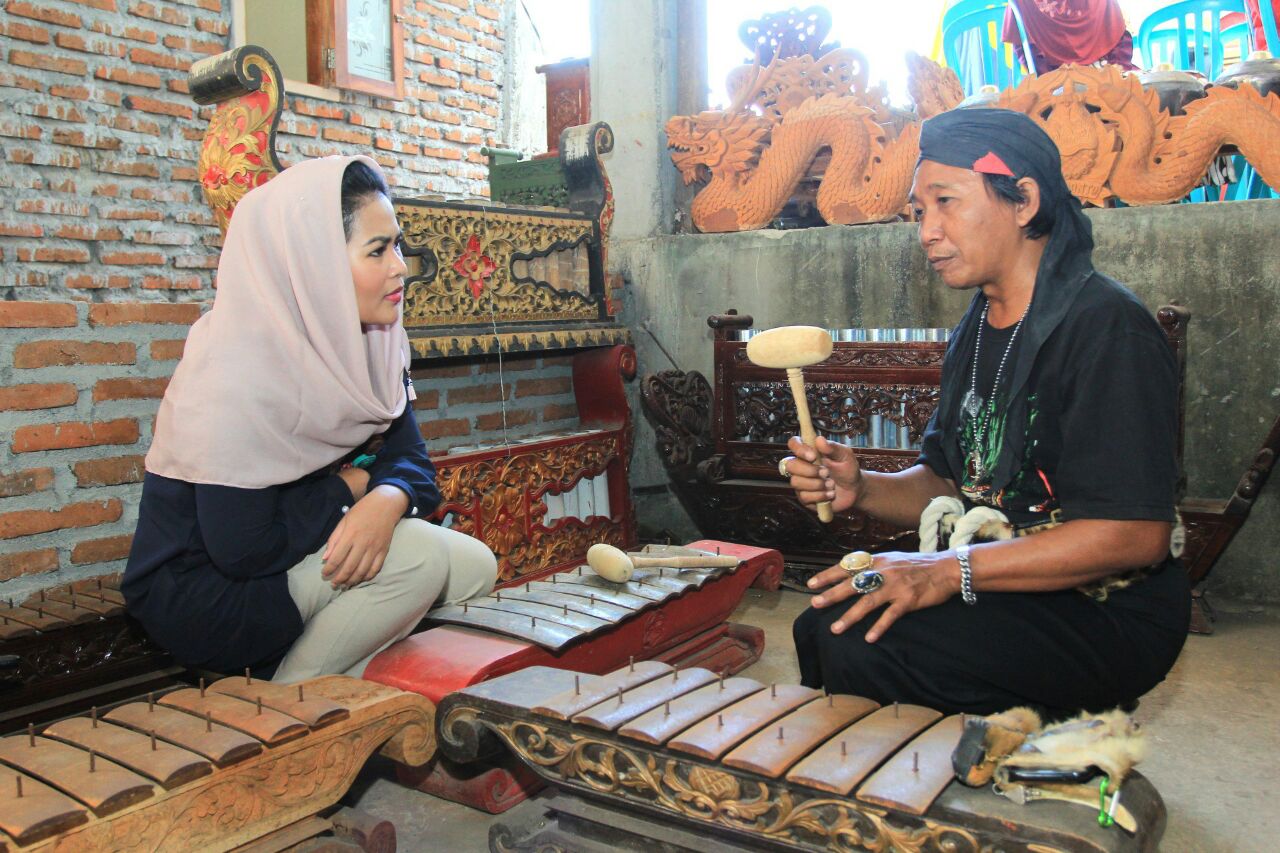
(782, 466)
(867, 581)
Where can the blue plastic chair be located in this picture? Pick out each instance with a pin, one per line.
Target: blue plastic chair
(975, 27)
(1269, 28)
(1189, 35)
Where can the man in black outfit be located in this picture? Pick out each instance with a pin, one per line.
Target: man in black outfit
(1058, 409)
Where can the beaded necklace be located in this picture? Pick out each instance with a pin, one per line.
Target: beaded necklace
(972, 403)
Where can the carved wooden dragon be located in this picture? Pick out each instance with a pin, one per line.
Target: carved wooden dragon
(1115, 141)
(754, 161)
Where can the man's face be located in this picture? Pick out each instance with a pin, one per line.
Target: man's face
(970, 236)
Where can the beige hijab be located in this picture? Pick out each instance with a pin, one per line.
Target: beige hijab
(279, 379)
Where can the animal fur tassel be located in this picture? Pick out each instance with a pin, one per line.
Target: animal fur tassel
(1064, 761)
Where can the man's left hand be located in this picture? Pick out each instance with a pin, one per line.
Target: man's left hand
(911, 582)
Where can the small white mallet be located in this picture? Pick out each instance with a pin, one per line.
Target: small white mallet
(614, 564)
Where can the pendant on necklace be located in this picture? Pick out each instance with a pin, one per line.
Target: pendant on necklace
(971, 403)
(977, 470)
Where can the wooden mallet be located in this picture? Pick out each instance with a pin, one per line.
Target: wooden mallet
(614, 564)
(792, 348)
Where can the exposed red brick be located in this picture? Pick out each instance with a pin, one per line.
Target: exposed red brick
(126, 213)
(25, 482)
(487, 12)
(129, 389)
(166, 14)
(124, 313)
(31, 521)
(45, 62)
(166, 350)
(27, 563)
(41, 12)
(452, 372)
(478, 394)
(147, 79)
(434, 429)
(88, 232)
(159, 60)
(53, 206)
(510, 418)
(559, 412)
(65, 353)
(103, 5)
(544, 387)
(37, 396)
(96, 282)
(355, 137)
(102, 550)
(23, 229)
(427, 400)
(26, 32)
(61, 436)
(109, 472)
(131, 258)
(155, 105)
(31, 315)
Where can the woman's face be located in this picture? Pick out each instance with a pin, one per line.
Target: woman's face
(376, 264)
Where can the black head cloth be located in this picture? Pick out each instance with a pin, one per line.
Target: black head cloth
(1005, 142)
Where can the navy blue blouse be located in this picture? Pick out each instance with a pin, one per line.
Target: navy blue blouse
(207, 575)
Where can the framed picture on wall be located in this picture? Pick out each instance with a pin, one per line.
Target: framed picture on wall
(369, 47)
(326, 45)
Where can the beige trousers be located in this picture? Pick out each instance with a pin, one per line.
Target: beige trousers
(344, 629)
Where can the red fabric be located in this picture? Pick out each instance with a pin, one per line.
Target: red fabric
(990, 164)
(1080, 32)
(1255, 22)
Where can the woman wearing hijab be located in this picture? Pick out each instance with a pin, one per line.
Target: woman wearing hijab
(1058, 408)
(282, 523)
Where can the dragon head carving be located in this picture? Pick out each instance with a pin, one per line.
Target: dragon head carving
(714, 142)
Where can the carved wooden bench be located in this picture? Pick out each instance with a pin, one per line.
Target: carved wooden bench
(208, 769)
(721, 443)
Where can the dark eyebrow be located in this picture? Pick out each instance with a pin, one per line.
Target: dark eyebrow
(935, 185)
(384, 239)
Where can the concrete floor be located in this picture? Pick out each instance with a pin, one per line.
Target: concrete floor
(1213, 750)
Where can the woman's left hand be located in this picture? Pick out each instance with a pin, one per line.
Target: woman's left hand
(359, 544)
(911, 582)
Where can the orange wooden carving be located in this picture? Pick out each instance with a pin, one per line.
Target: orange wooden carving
(1115, 140)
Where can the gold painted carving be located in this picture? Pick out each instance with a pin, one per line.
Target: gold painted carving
(281, 785)
(427, 345)
(499, 501)
(712, 795)
(473, 251)
(236, 155)
(1115, 140)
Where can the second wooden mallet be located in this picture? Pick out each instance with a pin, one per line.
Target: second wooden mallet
(793, 348)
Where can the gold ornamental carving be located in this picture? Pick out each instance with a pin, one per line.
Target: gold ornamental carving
(491, 501)
(1116, 142)
(471, 251)
(715, 796)
(238, 152)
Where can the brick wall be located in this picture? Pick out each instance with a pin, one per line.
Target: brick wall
(108, 252)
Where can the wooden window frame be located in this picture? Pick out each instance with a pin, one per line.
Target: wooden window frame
(327, 57)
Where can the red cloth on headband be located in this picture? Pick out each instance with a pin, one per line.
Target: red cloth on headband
(1080, 32)
(990, 164)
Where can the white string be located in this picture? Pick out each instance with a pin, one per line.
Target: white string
(497, 339)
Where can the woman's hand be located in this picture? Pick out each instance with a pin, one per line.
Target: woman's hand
(357, 480)
(828, 473)
(911, 582)
(359, 544)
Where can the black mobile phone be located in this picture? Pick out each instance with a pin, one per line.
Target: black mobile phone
(1052, 775)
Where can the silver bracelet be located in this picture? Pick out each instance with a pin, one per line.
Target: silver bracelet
(966, 576)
